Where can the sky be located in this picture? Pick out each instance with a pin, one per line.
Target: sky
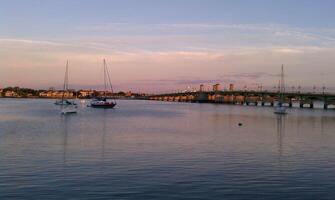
(167, 45)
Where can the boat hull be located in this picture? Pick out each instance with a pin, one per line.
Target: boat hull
(64, 103)
(280, 111)
(69, 110)
(103, 106)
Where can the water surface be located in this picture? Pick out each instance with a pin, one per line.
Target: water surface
(162, 150)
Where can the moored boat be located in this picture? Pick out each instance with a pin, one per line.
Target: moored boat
(280, 109)
(64, 102)
(67, 107)
(103, 102)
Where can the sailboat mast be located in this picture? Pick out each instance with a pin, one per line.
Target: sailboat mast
(105, 83)
(110, 82)
(282, 85)
(65, 86)
(282, 79)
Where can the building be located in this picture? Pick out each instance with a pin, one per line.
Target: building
(86, 93)
(216, 87)
(11, 94)
(128, 94)
(202, 88)
(231, 87)
(56, 94)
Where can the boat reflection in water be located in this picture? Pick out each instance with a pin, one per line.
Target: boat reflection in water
(280, 133)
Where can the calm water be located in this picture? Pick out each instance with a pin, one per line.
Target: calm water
(157, 150)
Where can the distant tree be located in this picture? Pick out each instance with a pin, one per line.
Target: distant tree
(121, 93)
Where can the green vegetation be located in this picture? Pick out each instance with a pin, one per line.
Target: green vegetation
(21, 92)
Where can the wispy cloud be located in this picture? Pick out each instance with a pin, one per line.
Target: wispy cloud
(275, 32)
(29, 41)
(196, 53)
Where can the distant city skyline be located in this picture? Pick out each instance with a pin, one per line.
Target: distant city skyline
(156, 45)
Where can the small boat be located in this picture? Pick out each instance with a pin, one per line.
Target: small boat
(280, 109)
(64, 102)
(103, 102)
(68, 107)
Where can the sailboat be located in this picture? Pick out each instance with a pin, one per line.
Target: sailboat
(102, 102)
(280, 109)
(67, 106)
(63, 100)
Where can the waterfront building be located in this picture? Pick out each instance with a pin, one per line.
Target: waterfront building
(56, 94)
(231, 87)
(86, 93)
(216, 87)
(202, 88)
(11, 94)
(128, 94)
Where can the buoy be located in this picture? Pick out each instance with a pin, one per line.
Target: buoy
(240, 124)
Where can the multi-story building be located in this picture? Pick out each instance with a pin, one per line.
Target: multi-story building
(86, 93)
(216, 87)
(231, 87)
(202, 88)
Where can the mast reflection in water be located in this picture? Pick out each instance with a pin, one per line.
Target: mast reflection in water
(162, 150)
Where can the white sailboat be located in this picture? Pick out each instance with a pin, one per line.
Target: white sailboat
(68, 107)
(280, 109)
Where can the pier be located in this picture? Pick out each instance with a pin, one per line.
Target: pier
(250, 98)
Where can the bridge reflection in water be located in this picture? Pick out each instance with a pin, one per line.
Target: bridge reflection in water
(263, 98)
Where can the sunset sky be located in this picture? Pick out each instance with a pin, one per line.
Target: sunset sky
(167, 45)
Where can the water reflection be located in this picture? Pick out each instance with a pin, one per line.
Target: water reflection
(280, 133)
(103, 136)
(149, 149)
(64, 124)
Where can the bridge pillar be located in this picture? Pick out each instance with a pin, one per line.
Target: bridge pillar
(325, 106)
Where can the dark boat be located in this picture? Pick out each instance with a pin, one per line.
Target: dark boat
(103, 102)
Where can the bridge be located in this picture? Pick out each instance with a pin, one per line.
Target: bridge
(263, 98)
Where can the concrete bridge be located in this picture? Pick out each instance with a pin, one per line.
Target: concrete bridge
(263, 98)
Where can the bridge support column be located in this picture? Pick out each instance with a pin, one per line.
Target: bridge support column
(325, 106)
